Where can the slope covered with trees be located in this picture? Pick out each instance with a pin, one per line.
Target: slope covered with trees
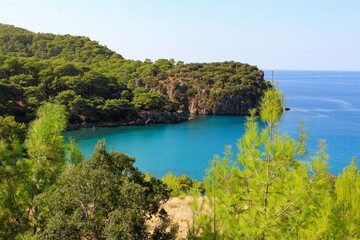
(97, 84)
(20, 42)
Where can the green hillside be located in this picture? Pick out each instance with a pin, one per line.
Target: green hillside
(97, 84)
(20, 42)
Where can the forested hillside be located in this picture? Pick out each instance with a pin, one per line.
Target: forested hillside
(98, 85)
(20, 42)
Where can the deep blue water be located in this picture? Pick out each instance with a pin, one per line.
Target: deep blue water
(329, 102)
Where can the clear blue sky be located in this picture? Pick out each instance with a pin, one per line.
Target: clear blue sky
(272, 34)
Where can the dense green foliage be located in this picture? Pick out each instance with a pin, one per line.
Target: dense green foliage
(19, 42)
(26, 173)
(48, 192)
(182, 185)
(26, 83)
(266, 192)
(104, 197)
(11, 130)
(96, 84)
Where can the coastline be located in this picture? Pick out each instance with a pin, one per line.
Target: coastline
(144, 118)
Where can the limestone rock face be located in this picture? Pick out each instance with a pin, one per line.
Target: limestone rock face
(211, 100)
(147, 117)
(229, 105)
(236, 105)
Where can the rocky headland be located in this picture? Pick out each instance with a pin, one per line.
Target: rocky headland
(99, 87)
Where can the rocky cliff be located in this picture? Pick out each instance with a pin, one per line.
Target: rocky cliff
(143, 118)
(235, 94)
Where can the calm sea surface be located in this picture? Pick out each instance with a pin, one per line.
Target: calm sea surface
(329, 102)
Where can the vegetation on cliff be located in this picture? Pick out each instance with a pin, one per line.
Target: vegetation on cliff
(96, 84)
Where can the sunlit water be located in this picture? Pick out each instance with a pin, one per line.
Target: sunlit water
(329, 102)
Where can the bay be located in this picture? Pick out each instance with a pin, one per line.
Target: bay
(328, 102)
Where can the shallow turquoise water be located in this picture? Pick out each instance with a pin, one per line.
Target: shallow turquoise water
(329, 102)
(180, 148)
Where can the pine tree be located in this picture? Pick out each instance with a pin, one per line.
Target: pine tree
(345, 217)
(266, 193)
(12, 205)
(46, 150)
(25, 173)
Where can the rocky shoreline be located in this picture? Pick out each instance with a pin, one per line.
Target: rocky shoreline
(144, 118)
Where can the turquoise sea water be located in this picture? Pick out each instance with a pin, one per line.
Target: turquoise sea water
(329, 102)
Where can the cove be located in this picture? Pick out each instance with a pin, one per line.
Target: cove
(328, 102)
(181, 148)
